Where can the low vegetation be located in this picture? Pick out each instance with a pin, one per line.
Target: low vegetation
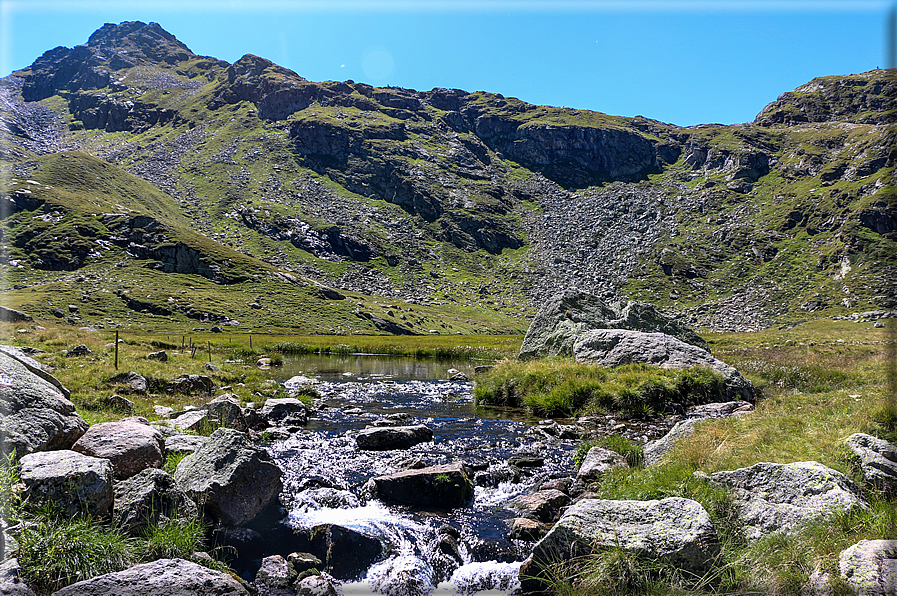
(819, 385)
(561, 387)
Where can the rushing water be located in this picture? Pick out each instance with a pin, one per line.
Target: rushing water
(325, 473)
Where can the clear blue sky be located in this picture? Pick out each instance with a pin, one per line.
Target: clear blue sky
(680, 61)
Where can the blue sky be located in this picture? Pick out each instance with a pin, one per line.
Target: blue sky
(681, 61)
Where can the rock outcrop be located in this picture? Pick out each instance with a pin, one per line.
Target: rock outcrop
(615, 347)
(675, 529)
(597, 462)
(869, 567)
(567, 316)
(147, 498)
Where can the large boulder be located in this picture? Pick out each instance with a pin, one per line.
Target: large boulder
(773, 497)
(676, 529)
(67, 480)
(346, 553)
(567, 316)
(392, 437)
(35, 415)
(870, 567)
(613, 347)
(232, 479)
(597, 462)
(148, 498)
(444, 487)
(877, 459)
(164, 577)
(129, 446)
(190, 384)
(130, 382)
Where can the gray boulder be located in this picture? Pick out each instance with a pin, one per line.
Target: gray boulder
(781, 497)
(225, 412)
(655, 450)
(445, 486)
(165, 577)
(719, 410)
(284, 411)
(34, 414)
(147, 498)
(877, 459)
(134, 382)
(613, 347)
(870, 567)
(597, 462)
(232, 479)
(9, 315)
(395, 437)
(184, 443)
(129, 446)
(568, 315)
(190, 384)
(161, 356)
(524, 528)
(194, 420)
(275, 577)
(79, 350)
(24, 356)
(316, 585)
(675, 529)
(542, 506)
(68, 480)
(11, 582)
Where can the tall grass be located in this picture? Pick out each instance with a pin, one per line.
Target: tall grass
(561, 387)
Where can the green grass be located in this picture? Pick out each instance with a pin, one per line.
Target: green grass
(561, 387)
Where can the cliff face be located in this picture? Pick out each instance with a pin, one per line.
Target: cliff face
(483, 200)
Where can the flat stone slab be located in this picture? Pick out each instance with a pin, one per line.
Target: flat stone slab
(165, 577)
(130, 446)
(442, 487)
(393, 437)
(781, 497)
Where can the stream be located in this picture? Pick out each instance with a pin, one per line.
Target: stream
(324, 472)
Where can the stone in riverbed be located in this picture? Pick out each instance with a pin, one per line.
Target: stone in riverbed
(275, 577)
(597, 462)
(442, 487)
(394, 437)
(284, 411)
(542, 506)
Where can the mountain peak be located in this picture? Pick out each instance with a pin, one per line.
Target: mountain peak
(131, 38)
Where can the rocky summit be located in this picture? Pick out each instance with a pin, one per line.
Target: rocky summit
(152, 186)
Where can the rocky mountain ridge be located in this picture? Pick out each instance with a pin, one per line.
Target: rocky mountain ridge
(474, 199)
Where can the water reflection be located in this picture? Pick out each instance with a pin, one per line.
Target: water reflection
(362, 367)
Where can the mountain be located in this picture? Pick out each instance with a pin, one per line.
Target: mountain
(470, 208)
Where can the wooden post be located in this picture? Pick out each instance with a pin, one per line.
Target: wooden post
(250, 341)
(116, 349)
(210, 351)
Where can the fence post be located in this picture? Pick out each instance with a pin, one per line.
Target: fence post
(116, 349)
